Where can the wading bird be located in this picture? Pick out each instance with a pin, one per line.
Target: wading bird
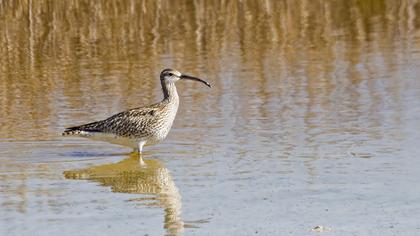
(139, 126)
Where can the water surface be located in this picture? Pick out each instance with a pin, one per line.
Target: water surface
(313, 118)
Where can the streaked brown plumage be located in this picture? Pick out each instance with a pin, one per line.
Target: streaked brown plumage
(139, 126)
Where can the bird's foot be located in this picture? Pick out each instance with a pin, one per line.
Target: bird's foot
(138, 151)
(141, 161)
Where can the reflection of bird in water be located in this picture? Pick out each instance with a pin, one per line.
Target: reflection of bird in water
(128, 176)
(139, 126)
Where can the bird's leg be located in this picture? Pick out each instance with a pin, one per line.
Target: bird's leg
(141, 144)
(141, 161)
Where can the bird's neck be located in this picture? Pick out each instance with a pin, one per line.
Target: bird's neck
(169, 92)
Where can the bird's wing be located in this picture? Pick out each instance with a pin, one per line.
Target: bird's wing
(133, 122)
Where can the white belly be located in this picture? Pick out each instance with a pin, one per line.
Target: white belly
(111, 138)
(123, 141)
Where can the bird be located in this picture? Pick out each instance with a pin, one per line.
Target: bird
(141, 126)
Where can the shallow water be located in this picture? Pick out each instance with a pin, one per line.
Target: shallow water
(313, 118)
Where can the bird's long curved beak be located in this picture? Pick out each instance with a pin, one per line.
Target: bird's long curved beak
(196, 79)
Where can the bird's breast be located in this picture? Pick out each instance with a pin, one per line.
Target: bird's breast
(163, 125)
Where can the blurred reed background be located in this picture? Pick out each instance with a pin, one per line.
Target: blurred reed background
(54, 50)
(313, 116)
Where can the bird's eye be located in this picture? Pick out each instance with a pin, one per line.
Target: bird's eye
(170, 74)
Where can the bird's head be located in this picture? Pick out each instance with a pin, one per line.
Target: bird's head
(172, 76)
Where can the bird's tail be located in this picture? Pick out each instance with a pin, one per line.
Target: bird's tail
(71, 131)
(76, 130)
(82, 130)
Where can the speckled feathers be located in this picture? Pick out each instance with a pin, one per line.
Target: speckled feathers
(139, 126)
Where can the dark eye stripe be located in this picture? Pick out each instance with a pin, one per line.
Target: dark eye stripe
(170, 74)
